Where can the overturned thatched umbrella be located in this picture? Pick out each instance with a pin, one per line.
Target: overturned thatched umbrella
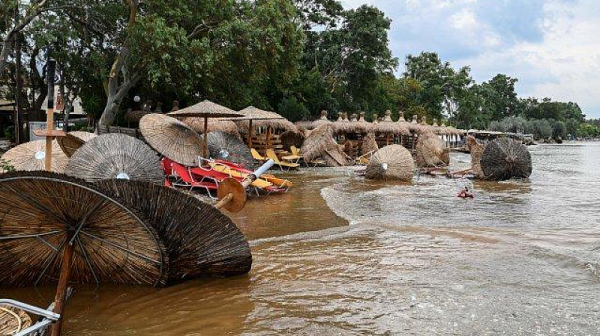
(214, 125)
(205, 109)
(369, 144)
(73, 140)
(119, 156)
(60, 229)
(505, 158)
(392, 162)
(172, 138)
(228, 147)
(431, 151)
(289, 139)
(199, 239)
(32, 155)
(321, 144)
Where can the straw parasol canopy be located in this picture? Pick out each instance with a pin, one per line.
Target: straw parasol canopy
(32, 155)
(359, 126)
(321, 121)
(289, 139)
(206, 110)
(431, 151)
(73, 140)
(476, 151)
(172, 138)
(369, 144)
(118, 156)
(228, 147)
(393, 162)
(48, 216)
(316, 142)
(261, 118)
(135, 116)
(214, 125)
(13, 320)
(505, 158)
(199, 239)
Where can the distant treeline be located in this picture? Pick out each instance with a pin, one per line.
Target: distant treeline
(296, 57)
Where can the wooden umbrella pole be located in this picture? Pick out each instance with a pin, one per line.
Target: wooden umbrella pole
(205, 145)
(250, 134)
(240, 188)
(61, 289)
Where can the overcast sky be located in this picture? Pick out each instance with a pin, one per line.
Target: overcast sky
(552, 47)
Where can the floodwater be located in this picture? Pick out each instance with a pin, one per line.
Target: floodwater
(339, 255)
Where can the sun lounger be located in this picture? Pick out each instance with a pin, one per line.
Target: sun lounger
(259, 183)
(282, 164)
(278, 182)
(186, 179)
(257, 156)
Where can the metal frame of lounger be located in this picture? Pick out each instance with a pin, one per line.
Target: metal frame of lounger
(47, 316)
(180, 182)
(281, 187)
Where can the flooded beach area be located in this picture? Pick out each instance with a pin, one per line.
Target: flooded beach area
(340, 255)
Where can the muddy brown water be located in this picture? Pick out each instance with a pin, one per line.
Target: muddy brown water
(339, 255)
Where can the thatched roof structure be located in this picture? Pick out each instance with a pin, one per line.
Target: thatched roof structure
(32, 156)
(392, 162)
(115, 156)
(358, 126)
(505, 158)
(431, 151)
(262, 118)
(214, 125)
(73, 141)
(369, 144)
(199, 239)
(341, 124)
(44, 209)
(172, 138)
(321, 121)
(388, 126)
(375, 118)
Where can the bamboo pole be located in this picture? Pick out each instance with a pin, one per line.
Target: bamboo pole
(61, 289)
(250, 131)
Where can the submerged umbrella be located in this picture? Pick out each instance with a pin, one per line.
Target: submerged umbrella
(229, 147)
(392, 162)
(73, 140)
(57, 228)
(172, 138)
(200, 240)
(476, 151)
(118, 156)
(505, 158)
(431, 151)
(206, 110)
(32, 155)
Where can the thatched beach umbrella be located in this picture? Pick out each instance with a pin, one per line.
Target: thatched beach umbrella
(431, 151)
(321, 121)
(206, 110)
(57, 228)
(73, 140)
(214, 125)
(414, 126)
(505, 158)
(228, 147)
(359, 126)
(341, 124)
(369, 144)
(200, 240)
(119, 156)
(316, 143)
(172, 138)
(389, 128)
(32, 155)
(254, 117)
(392, 162)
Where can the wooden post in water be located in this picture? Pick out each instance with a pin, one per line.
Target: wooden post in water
(61, 288)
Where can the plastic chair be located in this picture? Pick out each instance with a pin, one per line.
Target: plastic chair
(282, 164)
